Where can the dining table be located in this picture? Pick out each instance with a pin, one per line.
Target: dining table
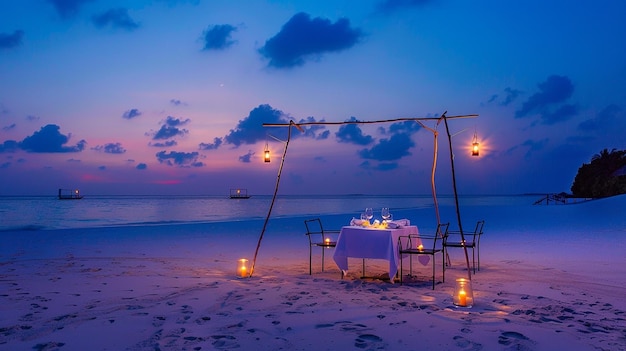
(356, 241)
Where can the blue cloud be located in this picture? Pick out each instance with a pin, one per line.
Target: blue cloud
(9, 127)
(534, 146)
(247, 158)
(352, 134)
(555, 90)
(218, 37)
(530, 145)
(181, 159)
(394, 148)
(116, 18)
(142, 166)
(302, 37)
(250, 129)
(68, 8)
(9, 146)
(167, 132)
(509, 96)
(110, 148)
(167, 143)
(317, 132)
(404, 127)
(132, 113)
(561, 114)
(170, 128)
(10, 41)
(607, 120)
(49, 139)
(176, 122)
(211, 146)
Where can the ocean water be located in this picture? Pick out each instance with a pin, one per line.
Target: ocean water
(46, 212)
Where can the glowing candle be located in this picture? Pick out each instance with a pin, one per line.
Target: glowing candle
(420, 247)
(242, 272)
(462, 298)
(327, 241)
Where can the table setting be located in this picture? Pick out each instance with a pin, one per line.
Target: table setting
(364, 238)
(387, 220)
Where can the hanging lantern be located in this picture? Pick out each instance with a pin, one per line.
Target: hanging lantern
(475, 146)
(266, 153)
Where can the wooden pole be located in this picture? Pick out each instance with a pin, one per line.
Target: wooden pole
(433, 168)
(456, 197)
(269, 212)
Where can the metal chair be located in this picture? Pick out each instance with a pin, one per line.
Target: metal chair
(424, 244)
(472, 241)
(318, 237)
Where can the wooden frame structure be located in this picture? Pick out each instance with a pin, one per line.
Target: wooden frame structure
(419, 120)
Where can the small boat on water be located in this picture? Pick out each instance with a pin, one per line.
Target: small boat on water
(239, 194)
(69, 194)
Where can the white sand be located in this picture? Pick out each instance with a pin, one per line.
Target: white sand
(552, 277)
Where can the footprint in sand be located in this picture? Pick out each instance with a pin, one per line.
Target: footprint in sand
(224, 342)
(370, 342)
(203, 320)
(362, 341)
(515, 341)
(158, 321)
(48, 346)
(186, 312)
(466, 344)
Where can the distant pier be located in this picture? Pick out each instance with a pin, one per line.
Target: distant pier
(559, 199)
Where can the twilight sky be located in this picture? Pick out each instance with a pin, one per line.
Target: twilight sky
(169, 96)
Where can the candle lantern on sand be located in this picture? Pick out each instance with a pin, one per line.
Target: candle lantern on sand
(243, 268)
(463, 295)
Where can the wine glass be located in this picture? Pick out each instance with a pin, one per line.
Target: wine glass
(369, 213)
(385, 214)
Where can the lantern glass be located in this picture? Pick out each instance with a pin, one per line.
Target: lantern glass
(266, 153)
(243, 268)
(475, 149)
(463, 295)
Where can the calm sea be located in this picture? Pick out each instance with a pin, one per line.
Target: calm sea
(48, 212)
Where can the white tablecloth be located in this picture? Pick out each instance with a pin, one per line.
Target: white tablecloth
(359, 242)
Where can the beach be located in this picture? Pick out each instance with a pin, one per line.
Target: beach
(550, 277)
